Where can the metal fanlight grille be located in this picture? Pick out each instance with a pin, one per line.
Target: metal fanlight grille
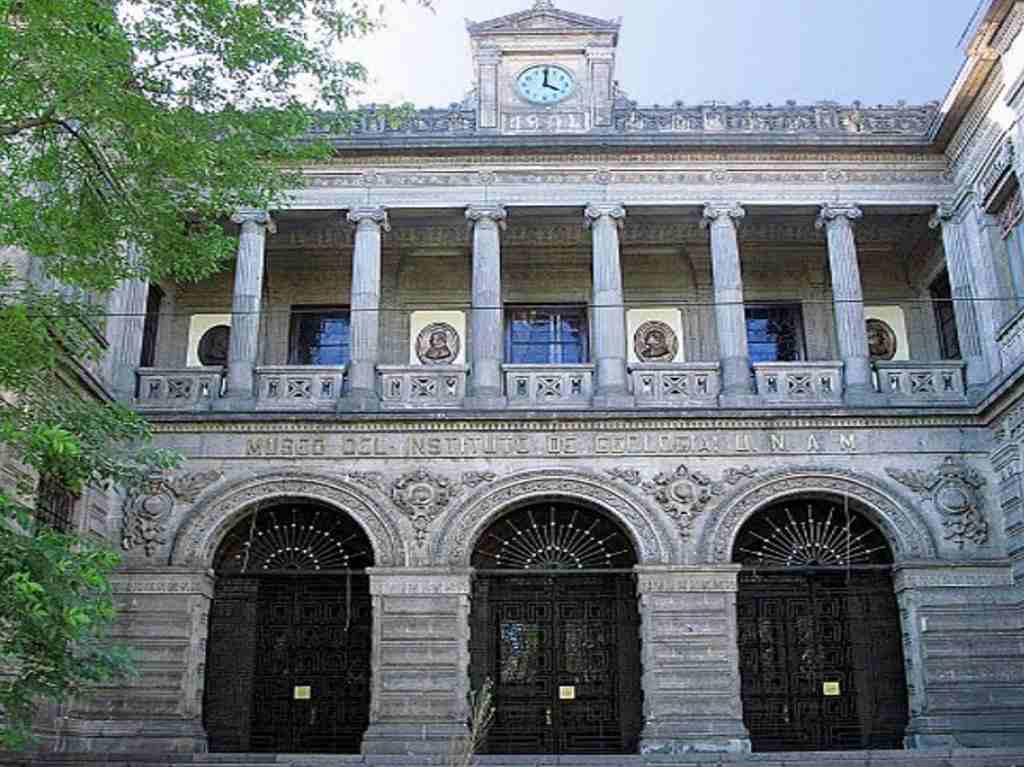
(295, 538)
(819, 534)
(554, 537)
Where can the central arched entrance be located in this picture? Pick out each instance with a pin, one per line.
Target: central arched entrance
(288, 654)
(821, 658)
(555, 627)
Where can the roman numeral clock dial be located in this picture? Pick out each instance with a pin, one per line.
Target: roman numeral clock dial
(545, 84)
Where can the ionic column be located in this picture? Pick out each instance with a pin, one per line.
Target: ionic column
(730, 315)
(487, 326)
(609, 313)
(954, 244)
(365, 306)
(126, 307)
(246, 300)
(847, 296)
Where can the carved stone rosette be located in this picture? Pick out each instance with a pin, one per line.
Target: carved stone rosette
(683, 494)
(423, 496)
(148, 509)
(953, 489)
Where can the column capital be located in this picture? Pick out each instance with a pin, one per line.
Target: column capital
(729, 212)
(252, 216)
(834, 211)
(370, 214)
(598, 210)
(493, 213)
(944, 212)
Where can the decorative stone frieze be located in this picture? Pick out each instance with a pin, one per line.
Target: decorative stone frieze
(954, 490)
(683, 494)
(148, 509)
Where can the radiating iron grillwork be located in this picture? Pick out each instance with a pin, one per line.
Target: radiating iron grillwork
(301, 538)
(818, 534)
(554, 537)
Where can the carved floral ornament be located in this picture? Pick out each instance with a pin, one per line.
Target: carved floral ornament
(954, 490)
(148, 508)
(683, 494)
(423, 496)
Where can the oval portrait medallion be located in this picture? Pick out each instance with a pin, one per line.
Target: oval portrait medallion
(881, 340)
(654, 341)
(438, 344)
(213, 346)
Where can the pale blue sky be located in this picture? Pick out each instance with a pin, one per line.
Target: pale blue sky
(767, 51)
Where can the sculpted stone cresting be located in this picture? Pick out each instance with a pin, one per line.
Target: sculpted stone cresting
(954, 490)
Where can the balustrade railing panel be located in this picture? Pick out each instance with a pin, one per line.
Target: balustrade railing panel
(548, 386)
(412, 387)
(922, 382)
(299, 386)
(178, 388)
(793, 383)
(693, 384)
(1011, 342)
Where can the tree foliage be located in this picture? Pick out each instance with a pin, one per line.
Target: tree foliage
(130, 130)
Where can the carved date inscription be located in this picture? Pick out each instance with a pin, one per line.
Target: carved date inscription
(540, 444)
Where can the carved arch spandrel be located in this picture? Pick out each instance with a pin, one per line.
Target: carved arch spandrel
(905, 530)
(203, 528)
(452, 544)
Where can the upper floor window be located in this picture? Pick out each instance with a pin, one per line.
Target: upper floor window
(151, 326)
(945, 317)
(548, 335)
(1010, 215)
(55, 506)
(320, 335)
(775, 333)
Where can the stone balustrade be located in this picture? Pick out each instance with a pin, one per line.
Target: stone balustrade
(1011, 342)
(178, 388)
(411, 387)
(794, 383)
(693, 384)
(548, 386)
(922, 382)
(303, 386)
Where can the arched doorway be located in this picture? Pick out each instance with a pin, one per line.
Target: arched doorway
(821, 658)
(288, 655)
(555, 627)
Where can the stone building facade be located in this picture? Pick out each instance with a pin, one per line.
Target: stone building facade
(749, 375)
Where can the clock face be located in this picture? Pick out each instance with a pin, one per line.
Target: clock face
(545, 84)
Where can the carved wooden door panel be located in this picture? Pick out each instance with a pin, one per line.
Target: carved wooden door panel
(563, 653)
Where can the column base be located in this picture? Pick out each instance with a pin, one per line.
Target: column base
(739, 400)
(486, 402)
(862, 395)
(413, 739)
(675, 740)
(613, 399)
(127, 736)
(359, 402)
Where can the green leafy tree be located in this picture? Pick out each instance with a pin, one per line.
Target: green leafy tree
(130, 130)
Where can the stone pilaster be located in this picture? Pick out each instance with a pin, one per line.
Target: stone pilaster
(963, 625)
(420, 660)
(163, 615)
(246, 301)
(126, 320)
(730, 314)
(691, 677)
(607, 306)
(848, 298)
(954, 245)
(981, 231)
(365, 307)
(487, 322)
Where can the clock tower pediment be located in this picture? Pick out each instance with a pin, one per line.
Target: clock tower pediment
(544, 70)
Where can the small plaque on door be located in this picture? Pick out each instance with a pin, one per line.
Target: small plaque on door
(302, 692)
(567, 693)
(830, 689)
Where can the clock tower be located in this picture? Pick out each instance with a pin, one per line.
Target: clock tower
(544, 70)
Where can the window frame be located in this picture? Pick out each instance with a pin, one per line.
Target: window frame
(560, 312)
(941, 291)
(801, 331)
(55, 507)
(299, 311)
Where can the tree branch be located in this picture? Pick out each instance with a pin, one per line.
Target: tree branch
(13, 129)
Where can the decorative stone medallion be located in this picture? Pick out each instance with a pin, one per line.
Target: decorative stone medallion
(214, 345)
(953, 490)
(438, 344)
(149, 507)
(655, 341)
(423, 496)
(882, 343)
